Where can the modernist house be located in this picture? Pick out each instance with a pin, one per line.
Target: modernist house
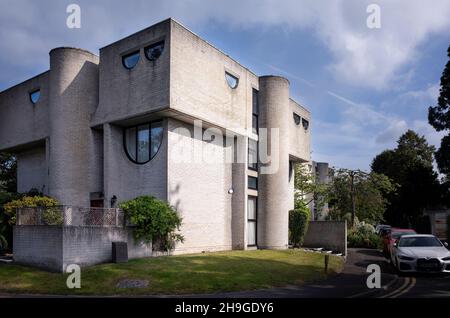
(94, 131)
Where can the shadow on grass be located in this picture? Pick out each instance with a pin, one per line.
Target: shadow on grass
(190, 274)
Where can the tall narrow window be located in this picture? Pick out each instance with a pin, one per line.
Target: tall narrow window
(253, 154)
(255, 111)
(130, 60)
(252, 208)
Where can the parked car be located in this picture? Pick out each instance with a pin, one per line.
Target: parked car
(391, 237)
(382, 228)
(420, 253)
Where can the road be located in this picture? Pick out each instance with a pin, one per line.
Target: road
(351, 283)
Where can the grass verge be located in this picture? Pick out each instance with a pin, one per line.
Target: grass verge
(185, 274)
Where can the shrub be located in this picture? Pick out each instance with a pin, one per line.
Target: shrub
(154, 221)
(3, 244)
(363, 235)
(50, 216)
(298, 224)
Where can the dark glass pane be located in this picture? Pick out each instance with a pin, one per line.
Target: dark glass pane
(255, 124)
(130, 60)
(253, 183)
(255, 107)
(34, 96)
(252, 154)
(143, 144)
(297, 119)
(130, 142)
(156, 135)
(231, 80)
(154, 51)
(305, 123)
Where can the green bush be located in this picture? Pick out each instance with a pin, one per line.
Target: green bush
(298, 224)
(363, 235)
(3, 244)
(34, 201)
(154, 220)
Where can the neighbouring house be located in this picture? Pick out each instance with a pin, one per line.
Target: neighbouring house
(164, 113)
(438, 221)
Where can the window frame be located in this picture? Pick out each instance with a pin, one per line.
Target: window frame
(296, 118)
(136, 127)
(34, 91)
(248, 183)
(255, 114)
(163, 42)
(232, 76)
(124, 56)
(248, 155)
(304, 120)
(255, 220)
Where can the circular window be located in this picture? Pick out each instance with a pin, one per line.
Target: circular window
(142, 142)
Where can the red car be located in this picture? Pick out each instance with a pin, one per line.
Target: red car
(391, 237)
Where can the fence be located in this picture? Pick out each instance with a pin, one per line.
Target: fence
(70, 216)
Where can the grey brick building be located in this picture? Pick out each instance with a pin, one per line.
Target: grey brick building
(98, 130)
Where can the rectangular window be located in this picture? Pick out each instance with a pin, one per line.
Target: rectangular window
(255, 111)
(143, 143)
(253, 154)
(252, 205)
(253, 183)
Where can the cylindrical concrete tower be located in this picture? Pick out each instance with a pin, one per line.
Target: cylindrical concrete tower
(273, 189)
(73, 98)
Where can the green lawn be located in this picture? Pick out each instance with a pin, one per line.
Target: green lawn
(197, 273)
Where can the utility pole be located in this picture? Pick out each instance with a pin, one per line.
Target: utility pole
(352, 194)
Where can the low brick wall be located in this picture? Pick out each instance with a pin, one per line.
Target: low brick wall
(327, 234)
(55, 247)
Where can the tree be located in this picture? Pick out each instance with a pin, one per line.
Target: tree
(410, 165)
(359, 193)
(8, 169)
(439, 118)
(308, 188)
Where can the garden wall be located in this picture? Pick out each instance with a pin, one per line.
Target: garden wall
(55, 247)
(327, 234)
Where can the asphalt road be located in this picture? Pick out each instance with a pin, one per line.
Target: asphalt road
(351, 283)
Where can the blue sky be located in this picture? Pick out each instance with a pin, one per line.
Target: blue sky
(364, 87)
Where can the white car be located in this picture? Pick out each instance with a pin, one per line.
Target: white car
(420, 253)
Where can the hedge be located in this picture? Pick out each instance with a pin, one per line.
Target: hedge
(298, 224)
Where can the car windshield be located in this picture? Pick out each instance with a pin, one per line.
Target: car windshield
(419, 242)
(396, 235)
